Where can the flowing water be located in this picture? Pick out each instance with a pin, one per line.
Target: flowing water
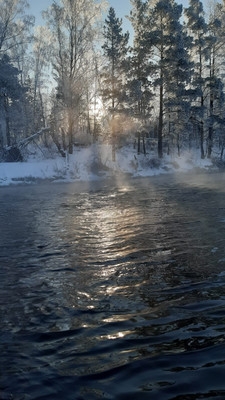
(114, 290)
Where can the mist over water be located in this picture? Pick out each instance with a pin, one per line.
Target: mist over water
(113, 290)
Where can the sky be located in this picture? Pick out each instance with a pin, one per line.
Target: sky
(121, 7)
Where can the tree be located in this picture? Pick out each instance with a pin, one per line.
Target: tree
(140, 87)
(41, 52)
(214, 84)
(15, 36)
(165, 45)
(74, 27)
(177, 80)
(115, 49)
(14, 24)
(10, 94)
(197, 29)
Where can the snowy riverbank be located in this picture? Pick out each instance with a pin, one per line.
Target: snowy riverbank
(94, 162)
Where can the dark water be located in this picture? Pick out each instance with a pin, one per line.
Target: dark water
(114, 290)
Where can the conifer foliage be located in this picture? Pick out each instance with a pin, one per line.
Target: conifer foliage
(165, 44)
(115, 49)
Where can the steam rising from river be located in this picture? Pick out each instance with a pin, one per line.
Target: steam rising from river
(95, 162)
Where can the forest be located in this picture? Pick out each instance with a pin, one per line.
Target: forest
(80, 78)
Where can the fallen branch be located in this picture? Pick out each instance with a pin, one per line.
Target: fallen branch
(13, 153)
(29, 139)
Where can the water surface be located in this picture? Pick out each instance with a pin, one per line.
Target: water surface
(113, 289)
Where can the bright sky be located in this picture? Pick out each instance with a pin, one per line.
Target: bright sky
(121, 7)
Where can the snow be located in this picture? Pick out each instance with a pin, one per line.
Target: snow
(95, 162)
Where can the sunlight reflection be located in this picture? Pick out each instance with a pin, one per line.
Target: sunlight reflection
(79, 294)
(112, 249)
(115, 226)
(113, 289)
(116, 335)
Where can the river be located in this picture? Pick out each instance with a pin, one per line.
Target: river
(113, 289)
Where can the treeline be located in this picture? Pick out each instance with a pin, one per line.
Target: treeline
(85, 79)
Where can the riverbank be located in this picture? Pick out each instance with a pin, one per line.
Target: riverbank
(95, 162)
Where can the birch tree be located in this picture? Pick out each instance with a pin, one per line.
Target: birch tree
(74, 25)
(40, 65)
(14, 24)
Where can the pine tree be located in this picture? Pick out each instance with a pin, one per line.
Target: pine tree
(140, 87)
(197, 29)
(165, 45)
(177, 79)
(214, 84)
(10, 94)
(115, 49)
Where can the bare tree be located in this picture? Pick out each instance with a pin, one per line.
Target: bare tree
(14, 24)
(74, 27)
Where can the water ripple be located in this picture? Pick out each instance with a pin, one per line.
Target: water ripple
(114, 293)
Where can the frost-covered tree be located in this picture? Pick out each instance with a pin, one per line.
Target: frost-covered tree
(115, 49)
(74, 26)
(197, 29)
(214, 82)
(140, 87)
(10, 95)
(15, 36)
(177, 81)
(164, 43)
(14, 24)
(41, 54)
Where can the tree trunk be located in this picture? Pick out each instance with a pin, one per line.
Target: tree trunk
(70, 147)
(178, 145)
(113, 147)
(210, 141)
(6, 107)
(70, 135)
(139, 143)
(144, 147)
(58, 145)
(160, 127)
(211, 106)
(201, 129)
